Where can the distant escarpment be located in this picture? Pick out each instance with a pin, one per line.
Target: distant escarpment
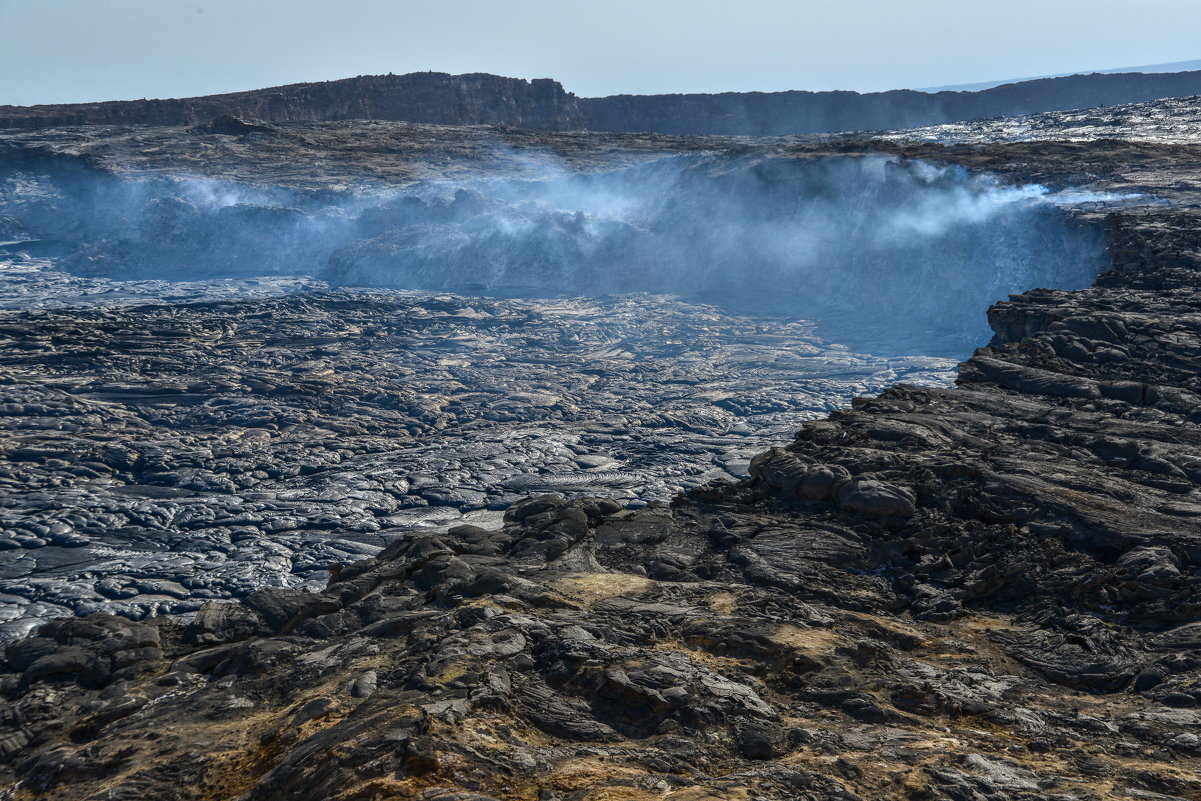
(482, 99)
(428, 97)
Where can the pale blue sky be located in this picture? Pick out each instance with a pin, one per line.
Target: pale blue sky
(54, 51)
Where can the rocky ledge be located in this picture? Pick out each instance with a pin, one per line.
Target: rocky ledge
(986, 592)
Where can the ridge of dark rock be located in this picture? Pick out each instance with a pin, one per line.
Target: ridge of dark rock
(482, 99)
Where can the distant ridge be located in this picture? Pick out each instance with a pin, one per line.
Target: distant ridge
(479, 99)
(1173, 66)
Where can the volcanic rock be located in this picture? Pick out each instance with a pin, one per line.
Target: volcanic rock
(981, 591)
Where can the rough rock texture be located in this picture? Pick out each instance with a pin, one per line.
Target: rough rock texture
(156, 457)
(481, 99)
(1173, 121)
(331, 156)
(975, 593)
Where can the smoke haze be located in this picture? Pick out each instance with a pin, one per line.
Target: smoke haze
(893, 255)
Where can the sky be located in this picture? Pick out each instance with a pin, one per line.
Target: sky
(61, 51)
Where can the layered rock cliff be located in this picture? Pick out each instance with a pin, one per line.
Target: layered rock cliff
(478, 99)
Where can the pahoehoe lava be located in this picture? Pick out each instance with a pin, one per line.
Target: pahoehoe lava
(986, 590)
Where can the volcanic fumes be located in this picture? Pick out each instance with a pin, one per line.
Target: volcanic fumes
(886, 255)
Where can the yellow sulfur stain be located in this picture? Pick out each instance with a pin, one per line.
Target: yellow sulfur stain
(592, 587)
(580, 774)
(724, 603)
(812, 642)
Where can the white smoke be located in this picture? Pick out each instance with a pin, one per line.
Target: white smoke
(899, 253)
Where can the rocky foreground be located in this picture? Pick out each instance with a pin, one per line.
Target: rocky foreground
(981, 592)
(157, 457)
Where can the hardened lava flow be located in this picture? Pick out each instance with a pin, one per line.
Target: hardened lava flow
(980, 591)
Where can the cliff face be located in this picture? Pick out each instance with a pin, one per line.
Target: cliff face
(477, 99)
(782, 113)
(481, 99)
